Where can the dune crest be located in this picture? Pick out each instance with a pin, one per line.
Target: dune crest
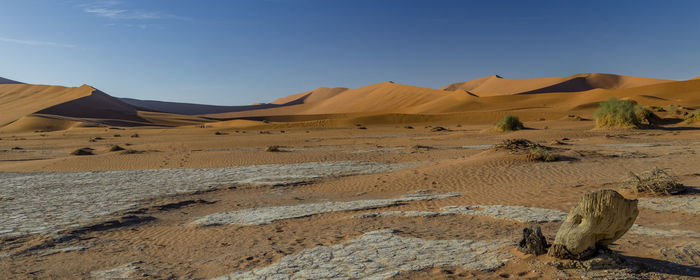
(316, 95)
(496, 85)
(8, 81)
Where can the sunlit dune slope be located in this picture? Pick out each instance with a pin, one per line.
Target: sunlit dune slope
(39, 107)
(496, 85)
(19, 100)
(382, 97)
(316, 95)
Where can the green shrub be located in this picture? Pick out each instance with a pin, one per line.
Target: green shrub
(509, 123)
(693, 117)
(657, 108)
(616, 113)
(674, 109)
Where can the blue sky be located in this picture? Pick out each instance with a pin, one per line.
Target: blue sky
(242, 52)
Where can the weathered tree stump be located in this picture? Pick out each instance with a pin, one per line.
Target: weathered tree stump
(599, 219)
(533, 241)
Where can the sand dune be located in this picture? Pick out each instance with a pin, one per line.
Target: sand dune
(46, 108)
(190, 108)
(37, 123)
(496, 85)
(19, 100)
(311, 96)
(480, 100)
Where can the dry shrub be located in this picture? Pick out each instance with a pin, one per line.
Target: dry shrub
(655, 181)
(693, 117)
(509, 123)
(516, 145)
(541, 154)
(273, 148)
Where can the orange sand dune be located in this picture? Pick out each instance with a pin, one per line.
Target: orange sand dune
(37, 123)
(19, 100)
(39, 107)
(496, 85)
(311, 96)
(387, 102)
(382, 97)
(389, 98)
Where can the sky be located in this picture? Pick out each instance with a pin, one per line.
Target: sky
(232, 52)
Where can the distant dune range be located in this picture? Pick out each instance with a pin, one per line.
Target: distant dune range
(29, 107)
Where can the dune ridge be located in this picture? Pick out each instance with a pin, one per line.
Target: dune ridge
(8, 81)
(496, 85)
(480, 100)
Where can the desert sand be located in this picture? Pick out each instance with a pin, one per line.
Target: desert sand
(360, 184)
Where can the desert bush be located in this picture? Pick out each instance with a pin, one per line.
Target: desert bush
(674, 109)
(657, 108)
(516, 145)
(616, 113)
(509, 123)
(541, 154)
(655, 181)
(693, 117)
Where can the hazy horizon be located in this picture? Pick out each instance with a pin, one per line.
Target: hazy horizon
(244, 52)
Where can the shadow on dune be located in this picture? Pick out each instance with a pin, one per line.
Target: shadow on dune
(97, 105)
(201, 109)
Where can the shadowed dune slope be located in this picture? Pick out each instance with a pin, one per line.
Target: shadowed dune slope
(190, 108)
(496, 85)
(39, 107)
(316, 95)
(96, 105)
(19, 100)
(8, 81)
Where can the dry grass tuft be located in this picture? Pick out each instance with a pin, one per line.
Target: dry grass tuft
(517, 145)
(693, 117)
(541, 154)
(655, 181)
